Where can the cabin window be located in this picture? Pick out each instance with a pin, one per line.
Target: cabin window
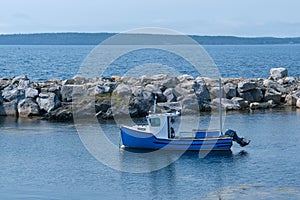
(155, 122)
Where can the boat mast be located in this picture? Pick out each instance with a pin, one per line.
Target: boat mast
(221, 94)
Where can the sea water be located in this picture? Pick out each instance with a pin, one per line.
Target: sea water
(47, 160)
(40, 62)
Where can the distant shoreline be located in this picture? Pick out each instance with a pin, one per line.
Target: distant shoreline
(96, 38)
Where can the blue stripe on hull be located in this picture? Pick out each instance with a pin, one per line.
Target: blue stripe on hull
(135, 139)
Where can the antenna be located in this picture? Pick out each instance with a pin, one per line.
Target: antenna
(221, 94)
(154, 106)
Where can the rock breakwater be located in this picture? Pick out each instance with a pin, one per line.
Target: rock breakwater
(53, 99)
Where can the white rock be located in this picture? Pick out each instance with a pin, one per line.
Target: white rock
(31, 93)
(277, 73)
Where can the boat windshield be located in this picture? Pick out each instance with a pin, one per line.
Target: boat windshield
(155, 122)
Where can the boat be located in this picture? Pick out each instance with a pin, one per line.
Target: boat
(159, 133)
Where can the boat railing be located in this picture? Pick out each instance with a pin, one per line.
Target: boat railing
(199, 133)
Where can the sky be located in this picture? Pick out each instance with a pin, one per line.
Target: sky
(279, 18)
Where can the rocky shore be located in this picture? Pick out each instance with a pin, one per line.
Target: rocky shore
(53, 99)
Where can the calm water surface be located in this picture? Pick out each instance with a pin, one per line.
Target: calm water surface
(42, 62)
(42, 160)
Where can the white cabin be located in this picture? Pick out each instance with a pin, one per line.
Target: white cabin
(161, 125)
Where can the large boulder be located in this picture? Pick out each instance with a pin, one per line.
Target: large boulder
(28, 107)
(17, 79)
(31, 93)
(122, 90)
(70, 92)
(63, 113)
(274, 85)
(201, 90)
(298, 103)
(168, 93)
(9, 109)
(229, 104)
(169, 82)
(190, 104)
(179, 91)
(230, 90)
(23, 84)
(215, 92)
(246, 85)
(141, 101)
(12, 93)
(48, 101)
(291, 99)
(241, 102)
(254, 95)
(152, 88)
(278, 73)
(262, 105)
(272, 94)
(4, 82)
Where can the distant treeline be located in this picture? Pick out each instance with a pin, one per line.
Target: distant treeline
(96, 38)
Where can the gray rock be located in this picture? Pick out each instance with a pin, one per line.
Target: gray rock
(28, 107)
(298, 103)
(289, 81)
(23, 84)
(169, 107)
(189, 103)
(227, 104)
(17, 79)
(127, 80)
(70, 92)
(291, 100)
(241, 102)
(142, 105)
(122, 90)
(169, 82)
(271, 94)
(31, 93)
(272, 84)
(79, 80)
(48, 101)
(215, 92)
(263, 105)
(245, 86)
(153, 89)
(148, 79)
(230, 90)
(1, 98)
(179, 91)
(70, 81)
(102, 106)
(54, 89)
(277, 73)
(9, 109)
(4, 82)
(168, 93)
(61, 114)
(185, 77)
(201, 90)
(101, 89)
(11, 93)
(255, 95)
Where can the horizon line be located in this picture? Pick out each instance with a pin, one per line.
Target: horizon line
(104, 32)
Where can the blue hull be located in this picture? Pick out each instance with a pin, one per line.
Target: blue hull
(142, 140)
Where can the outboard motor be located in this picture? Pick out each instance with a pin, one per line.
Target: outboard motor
(240, 140)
